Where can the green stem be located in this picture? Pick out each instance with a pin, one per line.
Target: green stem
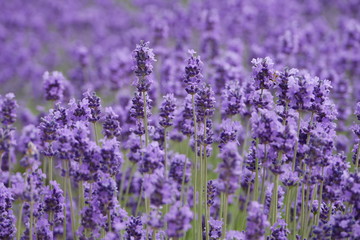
(165, 155)
(129, 185)
(256, 183)
(357, 158)
(73, 220)
(182, 197)
(297, 142)
(320, 198)
(96, 133)
(288, 205)
(196, 160)
(274, 202)
(295, 213)
(18, 234)
(225, 213)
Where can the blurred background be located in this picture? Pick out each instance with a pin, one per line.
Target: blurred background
(90, 42)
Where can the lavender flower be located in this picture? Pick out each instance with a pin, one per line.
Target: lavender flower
(94, 103)
(177, 164)
(142, 57)
(54, 203)
(167, 111)
(178, 220)
(53, 86)
(215, 229)
(229, 169)
(134, 229)
(152, 159)
(8, 106)
(204, 103)
(263, 72)
(256, 222)
(7, 223)
(193, 75)
(111, 125)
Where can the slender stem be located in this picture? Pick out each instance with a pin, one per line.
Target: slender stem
(50, 170)
(357, 158)
(182, 197)
(139, 201)
(263, 179)
(65, 208)
(256, 183)
(165, 155)
(129, 185)
(295, 213)
(320, 197)
(73, 220)
(225, 213)
(196, 158)
(96, 133)
(274, 202)
(297, 142)
(31, 209)
(18, 234)
(145, 120)
(288, 205)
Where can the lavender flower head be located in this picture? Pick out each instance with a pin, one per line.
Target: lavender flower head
(178, 220)
(143, 57)
(193, 75)
(215, 229)
(167, 110)
(7, 109)
(7, 218)
(229, 169)
(256, 222)
(266, 125)
(204, 103)
(263, 72)
(134, 229)
(54, 85)
(152, 159)
(111, 124)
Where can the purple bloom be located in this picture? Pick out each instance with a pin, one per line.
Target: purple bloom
(204, 103)
(111, 159)
(134, 229)
(111, 124)
(152, 159)
(94, 103)
(215, 229)
(263, 72)
(301, 91)
(54, 202)
(7, 222)
(279, 231)
(193, 75)
(229, 169)
(232, 98)
(167, 110)
(53, 85)
(8, 106)
(159, 189)
(143, 57)
(178, 220)
(266, 126)
(177, 164)
(43, 229)
(256, 222)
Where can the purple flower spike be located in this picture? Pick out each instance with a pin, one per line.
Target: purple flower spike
(7, 218)
(263, 72)
(193, 75)
(7, 109)
(53, 86)
(256, 222)
(178, 220)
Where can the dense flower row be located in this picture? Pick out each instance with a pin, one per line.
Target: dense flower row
(252, 137)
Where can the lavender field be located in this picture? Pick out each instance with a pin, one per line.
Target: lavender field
(180, 119)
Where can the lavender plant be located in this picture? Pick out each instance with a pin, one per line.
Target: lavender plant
(174, 120)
